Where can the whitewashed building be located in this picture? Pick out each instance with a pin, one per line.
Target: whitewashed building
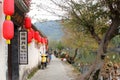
(10, 69)
(3, 47)
(34, 58)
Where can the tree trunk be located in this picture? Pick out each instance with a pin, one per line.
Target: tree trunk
(76, 50)
(94, 70)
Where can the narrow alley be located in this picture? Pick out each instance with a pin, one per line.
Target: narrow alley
(83, 37)
(56, 70)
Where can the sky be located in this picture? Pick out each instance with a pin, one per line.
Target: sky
(39, 10)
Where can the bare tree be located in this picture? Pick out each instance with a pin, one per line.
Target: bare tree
(100, 19)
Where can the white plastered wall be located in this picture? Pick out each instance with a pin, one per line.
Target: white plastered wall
(33, 59)
(3, 47)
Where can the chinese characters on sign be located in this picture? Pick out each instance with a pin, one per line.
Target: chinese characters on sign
(23, 49)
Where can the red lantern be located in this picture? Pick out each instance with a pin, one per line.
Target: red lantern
(8, 30)
(36, 35)
(39, 39)
(46, 41)
(43, 40)
(32, 31)
(8, 7)
(29, 36)
(27, 23)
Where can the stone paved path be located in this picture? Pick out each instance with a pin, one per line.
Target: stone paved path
(56, 70)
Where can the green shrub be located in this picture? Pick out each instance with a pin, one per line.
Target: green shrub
(34, 70)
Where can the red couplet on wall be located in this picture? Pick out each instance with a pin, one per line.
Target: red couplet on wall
(27, 23)
(8, 30)
(8, 7)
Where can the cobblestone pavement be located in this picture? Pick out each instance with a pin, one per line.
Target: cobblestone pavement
(56, 70)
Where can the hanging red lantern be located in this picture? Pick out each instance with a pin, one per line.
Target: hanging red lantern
(8, 27)
(36, 35)
(27, 23)
(8, 7)
(29, 36)
(43, 40)
(39, 39)
(8, 30)
(46, 41)
(32, 31)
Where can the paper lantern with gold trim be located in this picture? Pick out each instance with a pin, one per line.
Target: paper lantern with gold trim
(8, 7)
(8, 30)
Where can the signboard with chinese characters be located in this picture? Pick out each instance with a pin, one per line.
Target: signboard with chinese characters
(23, 47)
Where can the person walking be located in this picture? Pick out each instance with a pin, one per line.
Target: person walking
(43, 61)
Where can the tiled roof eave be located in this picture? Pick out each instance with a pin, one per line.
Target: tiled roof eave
(41, 33)
(22, 6)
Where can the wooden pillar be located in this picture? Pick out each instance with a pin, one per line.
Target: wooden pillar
(9, 62)
(14, 51)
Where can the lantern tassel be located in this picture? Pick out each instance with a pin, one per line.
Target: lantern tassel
(28, 30)
(8, 17)
(8, 41)
(28, 44)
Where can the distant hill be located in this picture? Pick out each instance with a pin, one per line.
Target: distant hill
(52, 29)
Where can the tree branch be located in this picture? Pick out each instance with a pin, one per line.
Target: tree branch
(94, 35)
